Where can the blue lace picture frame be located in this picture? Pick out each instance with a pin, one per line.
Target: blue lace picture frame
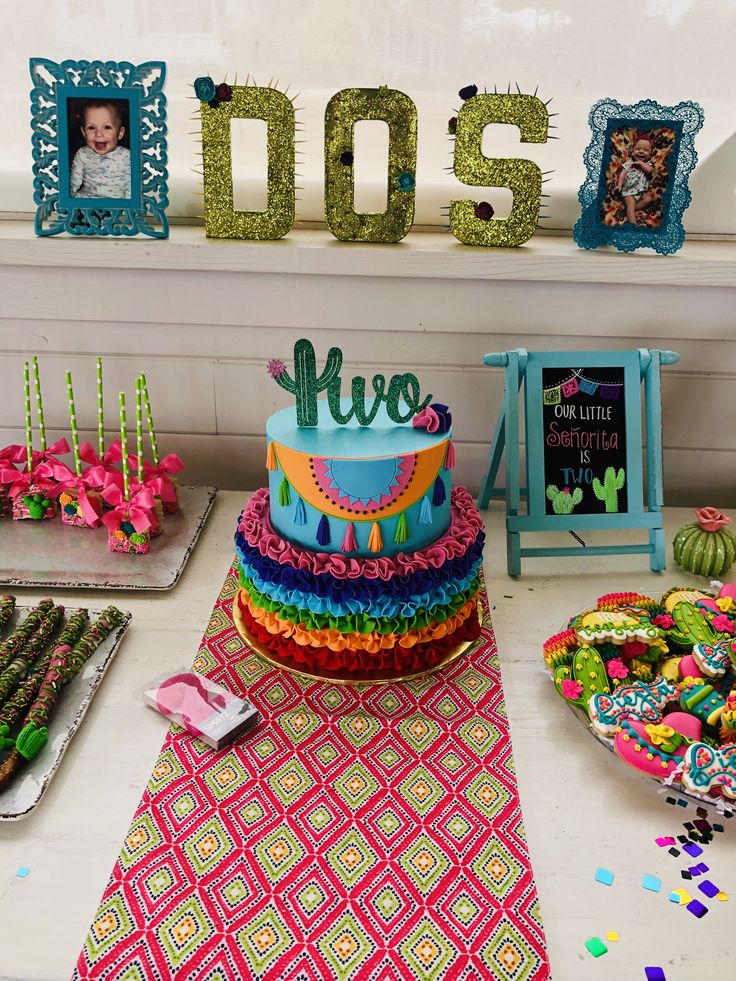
(647, 150)
(99, 148)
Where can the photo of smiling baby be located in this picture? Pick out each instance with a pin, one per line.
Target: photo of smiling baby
(637, 176)
(99, 148)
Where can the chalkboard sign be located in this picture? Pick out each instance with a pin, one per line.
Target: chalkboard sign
(584, 433)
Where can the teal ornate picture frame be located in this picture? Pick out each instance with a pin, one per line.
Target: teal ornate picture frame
(638, 161)
(99, 148)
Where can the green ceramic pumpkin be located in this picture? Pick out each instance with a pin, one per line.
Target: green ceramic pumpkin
(705, 547)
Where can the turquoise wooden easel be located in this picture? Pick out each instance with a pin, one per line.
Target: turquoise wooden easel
(523, 372)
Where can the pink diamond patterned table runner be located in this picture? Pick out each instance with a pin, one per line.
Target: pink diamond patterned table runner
(358, 833)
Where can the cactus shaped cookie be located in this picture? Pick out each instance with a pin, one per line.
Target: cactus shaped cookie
(608, 490)
(563, 502)
(705, 769)
(587, 672)
(637, 701)
(691, 627)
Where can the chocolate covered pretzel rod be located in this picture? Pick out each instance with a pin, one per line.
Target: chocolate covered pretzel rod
(33, 649)
(7, 606)
(10, 647)
(34, 734)
(12, 710)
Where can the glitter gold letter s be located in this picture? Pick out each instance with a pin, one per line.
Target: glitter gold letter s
(523, 177)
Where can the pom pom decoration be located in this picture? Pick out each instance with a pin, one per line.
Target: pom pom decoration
(522, 177)
(219, 105)
(343, 111)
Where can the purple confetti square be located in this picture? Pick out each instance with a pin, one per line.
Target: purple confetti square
(702, 825)
(694, 870)
(655, 974)
(708, 888)
(692, 850)
(703, 868)
(697, 908)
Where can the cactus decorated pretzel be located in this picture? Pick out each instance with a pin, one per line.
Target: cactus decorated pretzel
(563, 502)
(608, 490)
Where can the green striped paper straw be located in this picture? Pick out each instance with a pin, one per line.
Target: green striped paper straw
(124, 441)
(39, 404)
(100, 413)
(73, 422)
(149, 419)
(29, 429)
(139, 426)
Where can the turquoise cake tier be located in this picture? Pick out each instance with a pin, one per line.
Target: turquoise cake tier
(360, 490)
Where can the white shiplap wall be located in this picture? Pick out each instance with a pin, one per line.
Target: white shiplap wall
(203, 317)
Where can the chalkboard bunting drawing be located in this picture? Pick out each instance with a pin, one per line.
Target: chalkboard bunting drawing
(584, 438)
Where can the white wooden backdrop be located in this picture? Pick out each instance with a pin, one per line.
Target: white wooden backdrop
(202, 318)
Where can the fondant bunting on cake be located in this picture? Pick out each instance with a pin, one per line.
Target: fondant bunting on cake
(375, 542)
(323, 531)
(300, 515)
(425, 512)
(402, 532)
(348, 543)
(284, 495)
(439, 494)
(450, 455)
(271, 461)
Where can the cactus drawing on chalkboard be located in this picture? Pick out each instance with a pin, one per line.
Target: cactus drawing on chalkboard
(563, 502)
(608, 490)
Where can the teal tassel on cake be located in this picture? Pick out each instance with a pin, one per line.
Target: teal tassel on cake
(300, 515)
(425, 512)
(284, 495)
(323, 531)
(439, 494)
(402, 532)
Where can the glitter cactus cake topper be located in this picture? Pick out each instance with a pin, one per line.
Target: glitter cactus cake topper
(306, 385)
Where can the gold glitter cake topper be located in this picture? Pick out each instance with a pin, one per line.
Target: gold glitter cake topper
(472, 222)
(219, 104)
(343, 111)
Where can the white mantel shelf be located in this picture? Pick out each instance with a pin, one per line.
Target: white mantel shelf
(421, 255)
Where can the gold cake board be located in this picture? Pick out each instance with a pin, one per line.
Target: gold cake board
(344, 677)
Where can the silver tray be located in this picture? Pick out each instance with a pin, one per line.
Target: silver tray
(28, 787)
(51, 554)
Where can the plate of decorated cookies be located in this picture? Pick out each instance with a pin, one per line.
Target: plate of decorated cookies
(655, 680)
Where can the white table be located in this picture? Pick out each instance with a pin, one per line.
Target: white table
(582, 807)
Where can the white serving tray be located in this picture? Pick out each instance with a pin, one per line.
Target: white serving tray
(29, 785)
(45, 554)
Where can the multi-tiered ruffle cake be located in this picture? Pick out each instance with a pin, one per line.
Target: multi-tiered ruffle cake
(360, 558)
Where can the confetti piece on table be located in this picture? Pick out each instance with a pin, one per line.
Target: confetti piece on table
(694, 870)
(683, 839)
(662, 842)
(506, 596)
(703, 867)
(652, 883)
(612, 936)
(604, 876)
(596, 946)
(674, 897)
(722, 896)
(654, 974)
(702, 825)
(693, 850)
(718, 827)
(674, 851)
(23, 872)
(707, 887)
(701, 812)
(671, 800)
(682, 896)
(685, 874)
(697, 908)
(688, 825)
(682, 803)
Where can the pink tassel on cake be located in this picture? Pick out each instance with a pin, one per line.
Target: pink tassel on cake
(450, 455)
(348, 543)
(375, 542)
(271, 462)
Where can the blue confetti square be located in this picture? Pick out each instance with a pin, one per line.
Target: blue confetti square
(652, 883)
(604, 876)
(23, 872)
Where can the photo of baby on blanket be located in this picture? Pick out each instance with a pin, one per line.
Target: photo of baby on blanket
(637, 176)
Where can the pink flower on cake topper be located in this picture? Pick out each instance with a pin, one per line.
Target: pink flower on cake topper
(633, 648)
(617, 669)
(571, 689)
(711, 519)
(276, 367)
(663, 620)
(722, 624)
